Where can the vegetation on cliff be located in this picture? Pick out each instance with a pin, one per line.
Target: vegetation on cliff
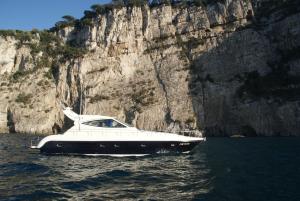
(102, 9)
(47, 50)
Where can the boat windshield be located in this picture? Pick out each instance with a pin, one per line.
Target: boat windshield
(106, 123)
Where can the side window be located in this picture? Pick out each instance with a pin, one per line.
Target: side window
(116, 124)
(105, 123)
(93, 123)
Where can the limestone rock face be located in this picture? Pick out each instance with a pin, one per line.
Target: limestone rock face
(224, 69)
(8, 53)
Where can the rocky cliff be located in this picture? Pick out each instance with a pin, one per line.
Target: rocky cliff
(224, 68)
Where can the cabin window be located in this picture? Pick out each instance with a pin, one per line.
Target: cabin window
(105, 123)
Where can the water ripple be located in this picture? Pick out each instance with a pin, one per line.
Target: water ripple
(221, 169)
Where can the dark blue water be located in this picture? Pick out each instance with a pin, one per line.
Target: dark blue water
(265, 169)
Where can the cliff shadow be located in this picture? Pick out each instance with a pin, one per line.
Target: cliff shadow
(239, 86)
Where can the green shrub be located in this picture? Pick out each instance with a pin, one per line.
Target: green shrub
(136, 3)
(34, 49)
(89, 14)
(86, 22)
(67, 21)
(6, 33)
(43, 62)
(195, 42)
(98, 9)
(69, 52)
(24, 36)
(48, 74)
(34, 31)
(190, 120)
(69, 18)
(40, 83)
(19, 74)
(118, 3)
(62, 24)
(48, 38)
(98, 98)
(24, 98)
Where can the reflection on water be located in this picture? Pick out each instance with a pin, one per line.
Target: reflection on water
(26, 174)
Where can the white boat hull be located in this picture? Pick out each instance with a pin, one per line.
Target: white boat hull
(102, 135)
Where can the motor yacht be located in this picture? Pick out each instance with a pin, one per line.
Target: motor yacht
(104, 135)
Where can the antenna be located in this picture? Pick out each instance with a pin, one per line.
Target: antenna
(80, 100)
(80, 105)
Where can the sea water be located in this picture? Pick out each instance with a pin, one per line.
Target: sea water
(220, 169)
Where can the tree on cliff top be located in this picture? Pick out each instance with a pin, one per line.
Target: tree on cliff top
(69, 18)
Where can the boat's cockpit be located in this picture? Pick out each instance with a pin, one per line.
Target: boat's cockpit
(96, 121)
(105, 123)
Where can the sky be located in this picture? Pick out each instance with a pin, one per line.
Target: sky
(40, 14)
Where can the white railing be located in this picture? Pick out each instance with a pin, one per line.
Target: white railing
(108, 132)
(123, 132)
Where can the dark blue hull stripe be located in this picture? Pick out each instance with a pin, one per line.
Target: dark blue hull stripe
(117, 147)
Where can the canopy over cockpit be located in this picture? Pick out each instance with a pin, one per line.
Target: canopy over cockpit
(105, 123)
(94, 120)
(76, 117)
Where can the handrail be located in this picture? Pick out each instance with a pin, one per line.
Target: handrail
(122, 132)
